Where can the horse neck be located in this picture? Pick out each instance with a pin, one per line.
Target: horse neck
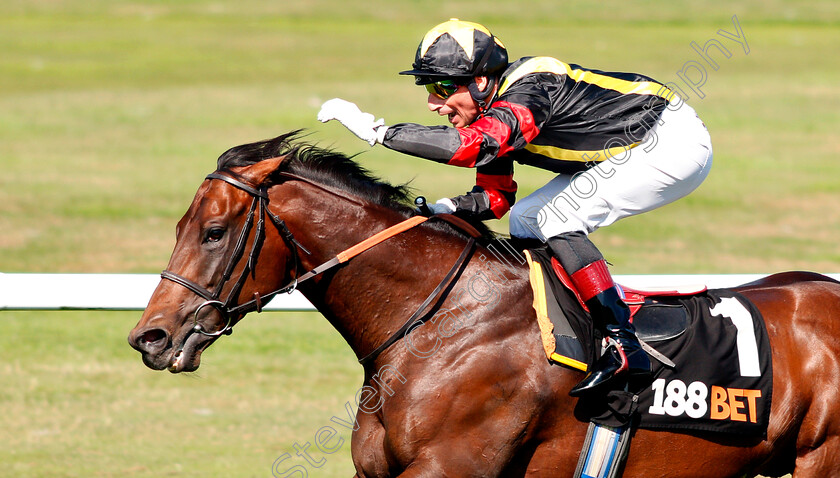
(370, 297)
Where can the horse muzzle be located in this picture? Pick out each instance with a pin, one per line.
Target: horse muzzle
(160, 351)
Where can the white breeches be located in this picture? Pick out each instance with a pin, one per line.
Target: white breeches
(671, 162)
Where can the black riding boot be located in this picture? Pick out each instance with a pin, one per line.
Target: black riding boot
(624, 352)
(590, 276)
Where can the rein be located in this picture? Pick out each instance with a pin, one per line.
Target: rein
(259, 210)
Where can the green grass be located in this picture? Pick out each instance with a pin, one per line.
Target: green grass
(111, 113)
(78, 403)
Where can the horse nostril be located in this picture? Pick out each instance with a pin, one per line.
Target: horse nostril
(152, 336)
(150, 340)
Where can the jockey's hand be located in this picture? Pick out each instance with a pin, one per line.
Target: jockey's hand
(361, 124)
(443, 206)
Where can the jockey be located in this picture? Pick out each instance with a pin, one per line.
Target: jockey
(620, 144)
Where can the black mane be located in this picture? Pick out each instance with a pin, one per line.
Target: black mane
(330, 168)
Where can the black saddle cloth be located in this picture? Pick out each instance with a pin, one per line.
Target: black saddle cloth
(723, 377)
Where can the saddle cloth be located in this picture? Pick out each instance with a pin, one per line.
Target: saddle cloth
(723, 378)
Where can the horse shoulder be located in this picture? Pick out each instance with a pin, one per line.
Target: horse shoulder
(487, 383)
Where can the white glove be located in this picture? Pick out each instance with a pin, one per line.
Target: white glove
(361, 124)
(443, 206)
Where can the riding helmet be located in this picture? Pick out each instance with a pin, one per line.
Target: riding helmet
(457, 49)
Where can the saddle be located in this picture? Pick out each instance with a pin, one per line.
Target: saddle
(655, 314)
(719, 378)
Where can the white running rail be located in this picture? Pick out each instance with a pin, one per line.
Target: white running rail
(23, 291)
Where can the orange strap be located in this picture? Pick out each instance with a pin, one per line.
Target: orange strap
(381, 236)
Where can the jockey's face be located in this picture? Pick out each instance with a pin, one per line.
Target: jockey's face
(460, 107)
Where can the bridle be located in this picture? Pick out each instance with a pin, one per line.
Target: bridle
(256, 218)
(227, 308)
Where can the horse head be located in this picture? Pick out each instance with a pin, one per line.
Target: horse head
(212, 279)
(239, 244)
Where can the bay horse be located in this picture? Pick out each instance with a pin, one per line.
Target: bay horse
(467, 395)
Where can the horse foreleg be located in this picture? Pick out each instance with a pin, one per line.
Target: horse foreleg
(422, 470)
(455, 459)
(436, 468)
(819, 462)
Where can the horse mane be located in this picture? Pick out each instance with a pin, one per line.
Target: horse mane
(334, 169)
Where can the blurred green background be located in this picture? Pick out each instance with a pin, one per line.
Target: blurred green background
(112, 112)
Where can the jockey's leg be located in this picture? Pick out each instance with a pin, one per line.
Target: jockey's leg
(672, 161)
(590, 276)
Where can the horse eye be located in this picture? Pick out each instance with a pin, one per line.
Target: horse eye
(214, 235)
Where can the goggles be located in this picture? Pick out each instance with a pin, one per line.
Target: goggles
(443, 89)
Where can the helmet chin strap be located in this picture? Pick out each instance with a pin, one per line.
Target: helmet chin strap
(479, 96)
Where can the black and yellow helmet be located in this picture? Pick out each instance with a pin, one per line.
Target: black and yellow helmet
(457, 49)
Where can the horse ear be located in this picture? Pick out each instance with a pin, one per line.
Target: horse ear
(258, 173)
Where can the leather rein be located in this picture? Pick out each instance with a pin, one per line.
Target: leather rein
(257, 214)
